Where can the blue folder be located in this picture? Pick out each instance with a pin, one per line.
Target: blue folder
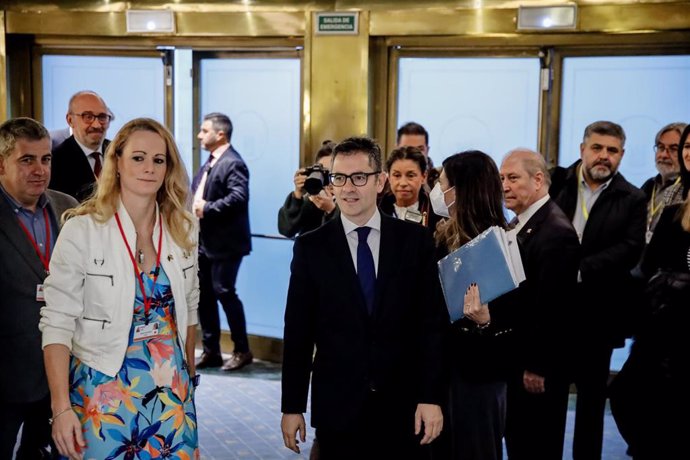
(486, 261)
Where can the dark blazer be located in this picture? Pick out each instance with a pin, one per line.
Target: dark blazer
(20, 272)
(298, 216)
(549, 249)
(71, 171)
(611, 246)
(224, 229)
(397, 350)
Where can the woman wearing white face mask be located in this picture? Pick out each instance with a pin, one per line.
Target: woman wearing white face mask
(469, 192)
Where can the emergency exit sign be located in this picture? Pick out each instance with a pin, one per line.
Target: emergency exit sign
(337, 23)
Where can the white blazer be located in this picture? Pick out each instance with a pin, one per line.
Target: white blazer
(91, 287)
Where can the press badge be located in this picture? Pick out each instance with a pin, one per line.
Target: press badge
(145, 331)
(39, 293)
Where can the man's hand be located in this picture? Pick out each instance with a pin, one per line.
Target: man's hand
(198, 208)
(533, 383)
(299, 183)
(324, 200)
(290, 424)
(431, 416)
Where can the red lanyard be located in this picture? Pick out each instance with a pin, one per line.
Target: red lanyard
(45, 259)
(137, 273)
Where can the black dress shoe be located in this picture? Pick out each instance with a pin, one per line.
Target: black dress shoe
(207, 360)
(238, 360)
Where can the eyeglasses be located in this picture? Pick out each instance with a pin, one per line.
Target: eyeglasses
(673, 149)
(358, 179)
(89, 117)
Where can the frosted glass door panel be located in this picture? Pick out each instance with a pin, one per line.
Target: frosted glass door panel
(262, 98)
(641, 93)
(131, 87)
(488, 104)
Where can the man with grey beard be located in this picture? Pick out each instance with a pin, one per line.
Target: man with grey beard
(666, 159)
(609, 216)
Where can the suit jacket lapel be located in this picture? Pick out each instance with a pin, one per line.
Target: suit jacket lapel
(389, 253)
(532, 226)
(17, 238)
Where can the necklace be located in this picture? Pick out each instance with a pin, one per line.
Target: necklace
(140, 256)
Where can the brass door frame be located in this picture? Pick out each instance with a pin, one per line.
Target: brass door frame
(39, 51)
(552, 48)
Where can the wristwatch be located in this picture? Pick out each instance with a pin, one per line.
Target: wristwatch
(196, 379)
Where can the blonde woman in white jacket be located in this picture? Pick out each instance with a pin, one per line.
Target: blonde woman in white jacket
(121, 299)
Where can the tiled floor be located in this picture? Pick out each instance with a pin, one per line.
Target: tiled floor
(239, 418)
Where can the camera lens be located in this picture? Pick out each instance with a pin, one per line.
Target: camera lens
(314, 183)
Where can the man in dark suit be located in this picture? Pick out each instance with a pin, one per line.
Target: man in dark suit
(77, 162)
(609, 216)
(377, 324)
(29, 223)
(221, 202)
(539, 385)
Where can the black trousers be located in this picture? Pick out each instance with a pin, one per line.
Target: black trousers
(535, 422)
(217, 284)
(650, 408)
(477, 418)
(591, 376)
(36, 437)
(383, 430)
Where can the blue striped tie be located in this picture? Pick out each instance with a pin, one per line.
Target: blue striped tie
(365, 267)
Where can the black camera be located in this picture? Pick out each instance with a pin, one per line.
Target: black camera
(317, 179)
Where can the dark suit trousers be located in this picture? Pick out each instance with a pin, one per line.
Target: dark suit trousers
(535, 423)
(383, 430)
(35, 433)
(217, 284)
(592, 362)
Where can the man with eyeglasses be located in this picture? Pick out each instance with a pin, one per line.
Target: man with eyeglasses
(78, 161)
(666, 159)
(377, 325)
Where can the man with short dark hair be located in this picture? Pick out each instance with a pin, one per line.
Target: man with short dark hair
(609, 216)
(415, 135)
(221, 202)
(29, 223)
(77, 162)
(377, 325)
(666, 160)
(538, 385)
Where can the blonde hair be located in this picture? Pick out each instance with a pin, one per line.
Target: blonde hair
(173, 197)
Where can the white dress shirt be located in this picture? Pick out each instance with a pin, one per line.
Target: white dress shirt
(374, 238)
(525, 216)
(199, 194)
(87, 151)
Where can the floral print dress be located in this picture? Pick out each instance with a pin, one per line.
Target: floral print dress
(147, 410)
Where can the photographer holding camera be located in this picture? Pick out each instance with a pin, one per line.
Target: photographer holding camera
(311, 203)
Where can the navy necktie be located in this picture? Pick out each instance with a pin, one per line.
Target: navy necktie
(365, 267)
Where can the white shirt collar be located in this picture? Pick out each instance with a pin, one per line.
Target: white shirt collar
(87, 151)
(527, 214)
(374, 222)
